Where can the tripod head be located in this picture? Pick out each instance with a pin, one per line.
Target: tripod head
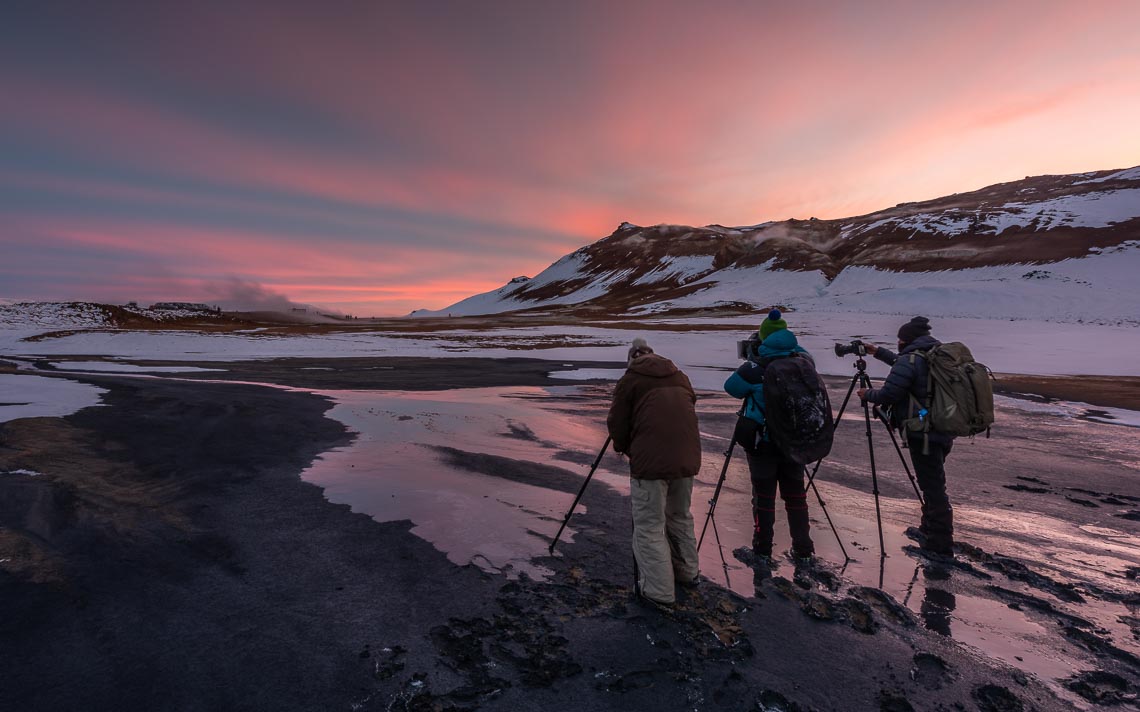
(857, 349)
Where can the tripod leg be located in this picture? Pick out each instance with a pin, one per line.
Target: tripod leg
(846, 400)
(902, 459)
(823, 507)
(814, 470)
(874, 480)
(593, 467)
(723, 563)
(636, 570)
(716, 494)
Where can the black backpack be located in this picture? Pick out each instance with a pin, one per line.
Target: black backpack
(797, 409)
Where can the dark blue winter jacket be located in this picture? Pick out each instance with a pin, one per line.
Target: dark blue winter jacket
(908, 377)
(748, 380)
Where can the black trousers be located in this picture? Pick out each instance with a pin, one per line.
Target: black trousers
(771, 469)
(937, 514)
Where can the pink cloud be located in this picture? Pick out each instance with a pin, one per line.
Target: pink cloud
(564, 125)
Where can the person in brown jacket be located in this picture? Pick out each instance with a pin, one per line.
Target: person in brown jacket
(654, 422)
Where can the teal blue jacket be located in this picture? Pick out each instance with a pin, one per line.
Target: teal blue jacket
(748, 380)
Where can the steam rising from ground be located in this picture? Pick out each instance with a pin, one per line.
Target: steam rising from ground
(237, 294)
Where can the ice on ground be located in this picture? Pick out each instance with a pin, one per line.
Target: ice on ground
(41, 397)
(29, 473)
(495, 522)
(391, 472)
(1069, 409)
(112, 367)
(589, 374)
(1026, 347)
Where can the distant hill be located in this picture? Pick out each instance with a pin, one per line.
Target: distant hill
(1058, 248)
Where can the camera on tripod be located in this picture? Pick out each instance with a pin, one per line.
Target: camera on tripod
(855, 348)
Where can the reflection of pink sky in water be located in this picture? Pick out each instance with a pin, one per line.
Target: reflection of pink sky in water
(1062, 550)
(390, 475)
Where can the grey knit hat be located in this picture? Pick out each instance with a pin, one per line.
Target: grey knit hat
(640, 347)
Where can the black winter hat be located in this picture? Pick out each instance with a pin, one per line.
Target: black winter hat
(916, 327)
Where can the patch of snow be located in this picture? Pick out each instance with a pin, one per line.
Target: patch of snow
(761, 286)
(1073, 409)
(29, 473)
(170, 314)
(1098, 288)
(1095, 210)
(513, 294)
(1127, 174)
(1092, 210)
(52, 316)
(112, 367)
(1010, 346)
(41, 397)
(588, 374)
(683, 269)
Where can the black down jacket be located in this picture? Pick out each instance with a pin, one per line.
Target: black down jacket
(906, 379)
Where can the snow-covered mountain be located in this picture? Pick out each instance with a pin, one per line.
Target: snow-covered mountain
(1059, 248)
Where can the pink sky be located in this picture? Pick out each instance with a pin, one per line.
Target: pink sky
(375, 158)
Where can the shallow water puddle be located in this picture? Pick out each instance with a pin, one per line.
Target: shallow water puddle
(23, 396)
(996, 630)
(394, 472)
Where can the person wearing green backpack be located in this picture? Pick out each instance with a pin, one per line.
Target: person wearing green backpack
(907, 389)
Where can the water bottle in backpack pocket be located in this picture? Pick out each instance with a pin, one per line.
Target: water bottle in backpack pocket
(959, 393)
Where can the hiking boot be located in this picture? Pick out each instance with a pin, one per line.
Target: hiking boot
(933, 546)
(659, 606)
(691, 583)
(761, 550)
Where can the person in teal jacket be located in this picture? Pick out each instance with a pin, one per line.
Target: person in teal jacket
(769, 467)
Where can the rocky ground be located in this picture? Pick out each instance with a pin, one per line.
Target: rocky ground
(170, 557)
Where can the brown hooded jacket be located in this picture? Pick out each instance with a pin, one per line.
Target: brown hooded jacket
(653, 420)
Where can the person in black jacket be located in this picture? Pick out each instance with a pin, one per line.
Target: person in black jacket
(768, 466)
(905, 392)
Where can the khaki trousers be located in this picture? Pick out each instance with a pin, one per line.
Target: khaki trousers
(663, 542)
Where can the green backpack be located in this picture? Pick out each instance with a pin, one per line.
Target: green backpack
(959, 393)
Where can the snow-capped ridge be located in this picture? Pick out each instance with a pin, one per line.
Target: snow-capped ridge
(994, 234)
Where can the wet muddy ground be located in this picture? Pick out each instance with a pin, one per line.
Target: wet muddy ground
(169, 551)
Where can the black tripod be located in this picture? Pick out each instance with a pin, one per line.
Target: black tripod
(720, 484)
(861, 379)
(581, 491)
